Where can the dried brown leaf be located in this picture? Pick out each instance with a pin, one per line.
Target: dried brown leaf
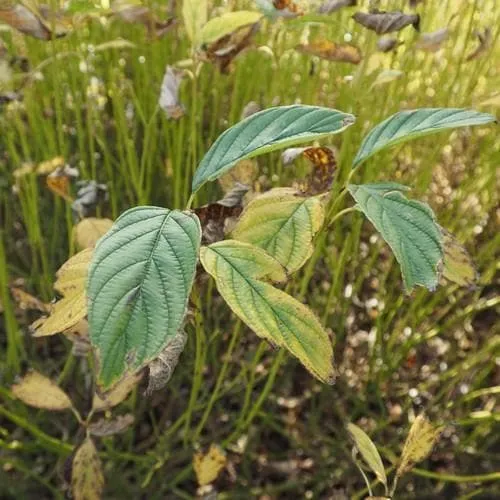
(39, 391)
(386, 22)
(331, 51)
(87, 480)
(386, 44)
(27, 302)
(108, 427)
(432, 42)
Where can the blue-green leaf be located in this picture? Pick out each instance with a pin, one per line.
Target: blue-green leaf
(266, 131)
(407, 125)
(409, 228)
(138, 287)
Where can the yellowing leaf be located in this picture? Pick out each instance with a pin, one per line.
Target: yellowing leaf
(219, 27)
(208, 467)
(419, 443)
(117, 394)
(238, 269)
(244, 172)
(194, 13)
(89, 230)
(283, 224)
(71, 282)
(457, 264)
(39, 391)
(87, 480)
(368, 451)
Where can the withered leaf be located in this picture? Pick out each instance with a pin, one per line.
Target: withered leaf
(162, 368)
(386, 44)
(419, 443)
(132, 12)
(223, 51)
(39, 391)
(107, 427)
(485, 39)
(87, 480)
(386, 22)
(251, 108)
(324, 164)
(433, 41)
(40, 23)
(27, 302)
(331, 51)
(213, 217)
(88, 197)
(169, 95)
(59, 183)
(457, 265)
(119, 393)
(333, 5)
(287, 8)
(88, 231)
(208, 466)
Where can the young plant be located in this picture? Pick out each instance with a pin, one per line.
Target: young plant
(136, 283)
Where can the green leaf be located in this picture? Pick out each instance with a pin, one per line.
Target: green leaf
(407, 125)
(368, 451)
(283, 224)
(226, 24)
(408, 226)
(238, 269)
(266, 131)
(194, 13)
(138, 287)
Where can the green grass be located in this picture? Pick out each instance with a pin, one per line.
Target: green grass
(432, 351)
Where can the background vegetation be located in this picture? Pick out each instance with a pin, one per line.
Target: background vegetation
(284, 433)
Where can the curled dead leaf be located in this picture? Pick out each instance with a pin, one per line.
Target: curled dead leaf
(485, 39)
(331, 51)
(333, 5)
(27, 302)
(432, 42)
(386, 44)
(107, 427)
(169, 94)
(162, 368)
(386, 22)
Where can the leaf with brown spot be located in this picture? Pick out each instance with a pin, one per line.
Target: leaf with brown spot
(419, 443)
(324, 165)
(432, 42)
(457, 263)
(331, 51)
(169, 94)
(386, 22)
(333, 5)
(27, 302)
(88, 231)
(162, 368)
(71, 283)
(119, 393)
(485, 40)
(214, 216)
(208, 466)
(107, 427)
(87, 480)
(39, 391)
